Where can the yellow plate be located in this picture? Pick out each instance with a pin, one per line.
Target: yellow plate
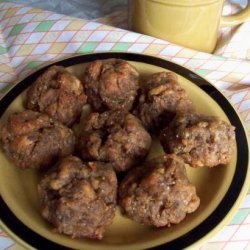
(220, 189)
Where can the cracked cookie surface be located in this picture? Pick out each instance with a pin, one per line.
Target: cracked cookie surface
(34, 140)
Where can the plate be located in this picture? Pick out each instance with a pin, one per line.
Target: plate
(220, 189)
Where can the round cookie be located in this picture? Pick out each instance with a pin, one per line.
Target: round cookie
(78, 198)
(58, 94)
(34, 140)
(111, 84)
(113, 136)
(158, 193)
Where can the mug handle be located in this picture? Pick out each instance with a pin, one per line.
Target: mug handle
(238, 18)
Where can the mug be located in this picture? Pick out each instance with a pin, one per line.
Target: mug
(190, 23)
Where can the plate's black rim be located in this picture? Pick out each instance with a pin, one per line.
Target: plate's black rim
(37, 241)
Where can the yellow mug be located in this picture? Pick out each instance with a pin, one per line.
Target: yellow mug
(191, 23)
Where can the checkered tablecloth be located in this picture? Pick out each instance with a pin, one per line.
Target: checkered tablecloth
(31, 37)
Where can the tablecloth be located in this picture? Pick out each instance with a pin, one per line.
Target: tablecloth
(31, 37)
